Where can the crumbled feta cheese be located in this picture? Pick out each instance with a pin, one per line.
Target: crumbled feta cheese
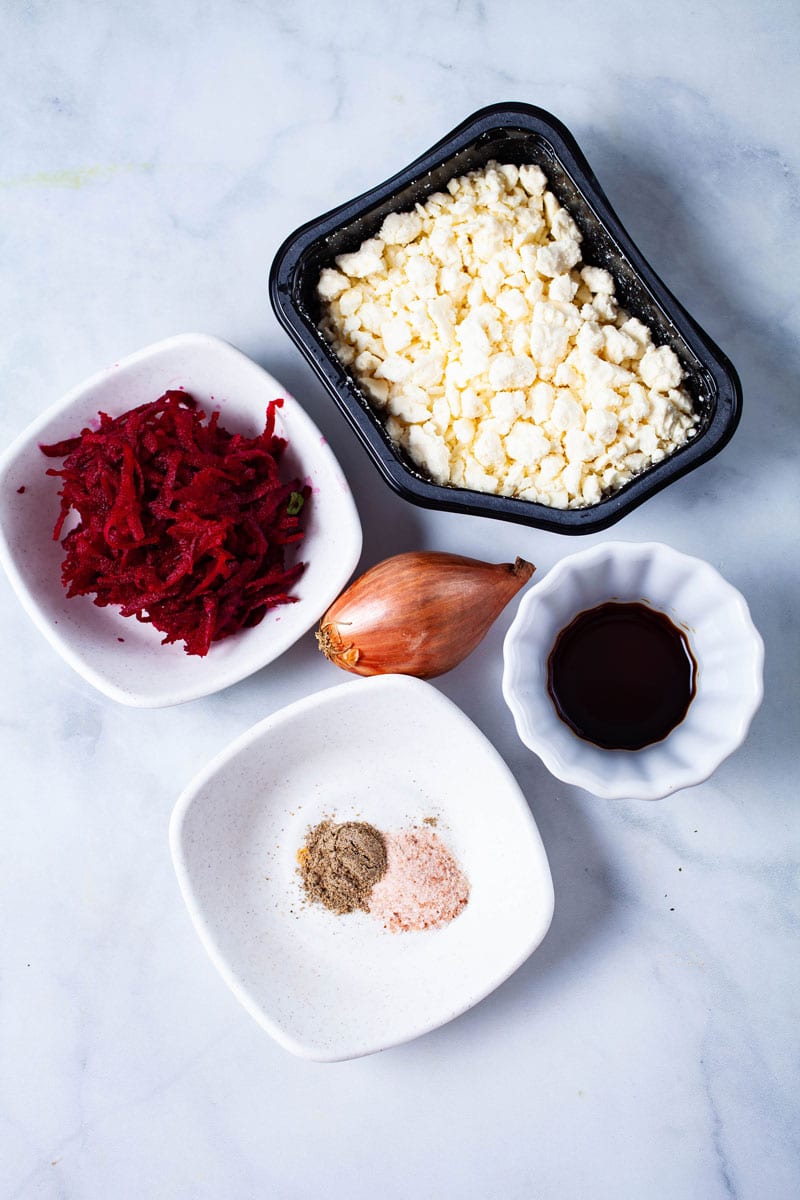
(548, 344)
(366, 260)
(331, 284)
(371, 316)
(350, 301)
(527, 443)
(563, 227)
(567, 413)
(378, 390)
(399, 229)
(604, 306)
(533, 179)
(499, 361)
(421, 272)
(396, 335)
(563, 288)
(366, 363)
(505, 408)
(464, 430)
(511, 371)
(429, 452)
(395, 369)
(590, 338)
(660, 369)
(489, 450)
(618, 345)
(541, 399)
(513, 304)
(601, 425)
(557, 257)
(597, 280)
(591, 491)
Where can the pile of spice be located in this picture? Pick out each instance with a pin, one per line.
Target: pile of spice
(408, 880)
(423, 887)
(339, 864)
(182, 524)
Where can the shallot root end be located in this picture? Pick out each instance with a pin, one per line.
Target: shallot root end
(334, 648)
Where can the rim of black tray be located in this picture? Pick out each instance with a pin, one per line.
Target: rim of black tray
(720, 375)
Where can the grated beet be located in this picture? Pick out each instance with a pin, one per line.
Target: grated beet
(182, 524)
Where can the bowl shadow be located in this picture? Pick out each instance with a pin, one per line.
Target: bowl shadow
(586, 900)
(764, 351)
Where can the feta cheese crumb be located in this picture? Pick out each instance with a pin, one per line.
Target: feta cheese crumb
(396, 335)
(660, 369)
(598, 281)
(398, 229)
(498, 360)
(331, 284)
(366, 260)
(511, 371)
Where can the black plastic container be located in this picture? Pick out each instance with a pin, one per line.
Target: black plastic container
(515, 133)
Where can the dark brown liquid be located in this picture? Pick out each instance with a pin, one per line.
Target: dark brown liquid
(621, 675)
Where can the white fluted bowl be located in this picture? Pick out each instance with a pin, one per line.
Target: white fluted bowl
(726, 646)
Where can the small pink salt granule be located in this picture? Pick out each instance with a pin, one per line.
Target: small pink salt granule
(423, 886)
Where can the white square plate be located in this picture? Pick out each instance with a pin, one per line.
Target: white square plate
(121, 657)
(390, 750)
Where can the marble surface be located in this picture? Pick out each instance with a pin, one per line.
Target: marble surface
(154, 157)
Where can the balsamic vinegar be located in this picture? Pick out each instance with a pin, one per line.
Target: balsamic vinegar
(621, 675)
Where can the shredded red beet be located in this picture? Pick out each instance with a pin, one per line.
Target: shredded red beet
(182, 524)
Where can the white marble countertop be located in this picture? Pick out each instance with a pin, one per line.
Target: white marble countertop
(154, 157)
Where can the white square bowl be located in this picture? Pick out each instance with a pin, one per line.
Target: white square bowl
(122, 657)
(390, 750)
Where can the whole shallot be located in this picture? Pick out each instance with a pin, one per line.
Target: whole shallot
(418, 614)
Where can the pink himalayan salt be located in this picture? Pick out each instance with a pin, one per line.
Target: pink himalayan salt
(423, 886)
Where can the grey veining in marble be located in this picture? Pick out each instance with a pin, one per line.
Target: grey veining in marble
(154, 157)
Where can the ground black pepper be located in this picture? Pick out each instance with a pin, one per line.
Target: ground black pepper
(340, 863)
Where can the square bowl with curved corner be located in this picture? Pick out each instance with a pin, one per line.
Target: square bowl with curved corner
(393, 751)
(121, 657)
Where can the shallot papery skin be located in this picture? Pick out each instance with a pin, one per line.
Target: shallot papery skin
(419, 613)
